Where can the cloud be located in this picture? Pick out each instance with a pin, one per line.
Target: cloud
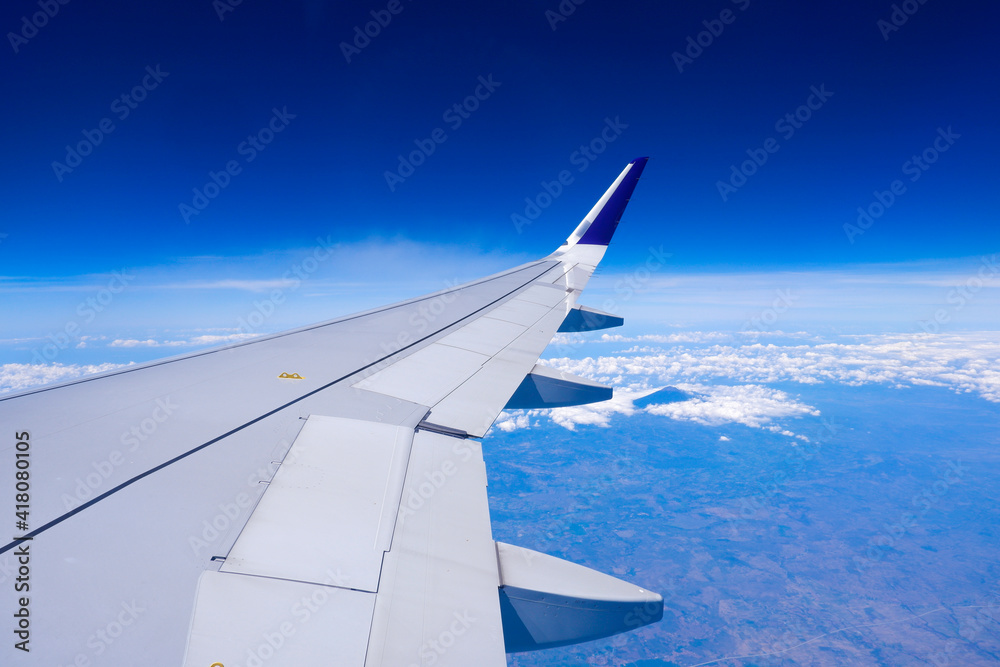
(862, 297)
(572, 340)
(511, 421)
(683, 337)
(962, 362)
(197, 340)
(750, 405)
(16, 377)
(132, 342)
(729, 382)
(260, 285)
(594, 414)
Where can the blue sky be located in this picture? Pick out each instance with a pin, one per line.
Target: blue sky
(768, 124)
(622, 79)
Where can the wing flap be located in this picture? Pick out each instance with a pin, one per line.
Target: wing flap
(241, 620)
(438, 601)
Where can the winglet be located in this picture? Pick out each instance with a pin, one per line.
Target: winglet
(599, 225)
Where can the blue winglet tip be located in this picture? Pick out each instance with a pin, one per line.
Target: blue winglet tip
(603, 227)
(641, 163)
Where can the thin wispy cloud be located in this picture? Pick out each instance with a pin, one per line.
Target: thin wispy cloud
(853, 298)
(245, 285)
(190, 342)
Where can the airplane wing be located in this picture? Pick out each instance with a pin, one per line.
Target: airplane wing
(312, 497)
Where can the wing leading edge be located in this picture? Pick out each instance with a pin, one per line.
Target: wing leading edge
(366, 540)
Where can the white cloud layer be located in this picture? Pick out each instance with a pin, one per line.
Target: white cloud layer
(15, 377)
(964, 363)
(729, 380)
(712, 405)
(750, 405)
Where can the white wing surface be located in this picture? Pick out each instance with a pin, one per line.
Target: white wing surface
(315, 497)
